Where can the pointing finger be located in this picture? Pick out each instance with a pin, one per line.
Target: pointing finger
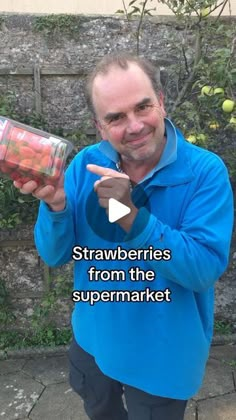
(96, 183)
(100, 170)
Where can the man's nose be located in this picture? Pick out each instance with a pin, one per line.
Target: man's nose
(134, 124)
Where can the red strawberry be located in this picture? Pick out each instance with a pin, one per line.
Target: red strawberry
(13, 146)
(36, 169)
(26, 164)
(12, 159)
(15, 176)
(36, 145)
(26, 152)
(16, 133)
(46, 149)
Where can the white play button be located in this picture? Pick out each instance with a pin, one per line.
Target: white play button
(116, 210)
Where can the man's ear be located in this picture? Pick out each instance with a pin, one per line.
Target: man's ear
(99, 128)
(161, 102)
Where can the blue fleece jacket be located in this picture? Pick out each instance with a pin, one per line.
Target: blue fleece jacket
(159, 347)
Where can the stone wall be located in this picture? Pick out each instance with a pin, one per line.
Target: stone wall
(28, 280)
(63, 59)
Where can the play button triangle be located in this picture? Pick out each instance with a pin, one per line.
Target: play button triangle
(116, 210)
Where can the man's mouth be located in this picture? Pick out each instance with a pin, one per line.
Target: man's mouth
(139, 139)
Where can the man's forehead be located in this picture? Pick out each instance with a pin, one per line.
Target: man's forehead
(121, 89)
(115, 71)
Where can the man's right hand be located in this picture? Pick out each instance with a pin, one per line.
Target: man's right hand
(54, 196)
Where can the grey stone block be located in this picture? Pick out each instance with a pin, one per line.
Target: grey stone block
(49, 370)
(220, 408)
(191, 410)
(218, 380)
(225, 354)
(59, 402)
(19, 394)
(10, 366)
(22, 272)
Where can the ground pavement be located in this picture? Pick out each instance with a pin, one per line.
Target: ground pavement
(35, 386)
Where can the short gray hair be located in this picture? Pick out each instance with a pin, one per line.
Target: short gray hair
(122, 60)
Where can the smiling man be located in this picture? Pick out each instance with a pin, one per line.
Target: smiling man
(147, 333)
(131, 115)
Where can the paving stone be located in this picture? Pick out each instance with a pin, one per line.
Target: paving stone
(10, 366)
(219, 408)
(48, 370)
(190, 412)
(218, 380)
(59, 402)
(18, 395)
(226, 354)
(23, 397)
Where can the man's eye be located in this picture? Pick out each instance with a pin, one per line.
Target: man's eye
(145, 107)
(116, 118)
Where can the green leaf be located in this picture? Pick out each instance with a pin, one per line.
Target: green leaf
(148, 11)
(135, 10)
(132, 2)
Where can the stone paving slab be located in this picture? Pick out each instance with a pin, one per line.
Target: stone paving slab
(218, 380)
(37, 388)
(191, 411)
(50, 370)
(18, 395)
(10, 366)
(58, 402)
(225, 354)
(219, 408)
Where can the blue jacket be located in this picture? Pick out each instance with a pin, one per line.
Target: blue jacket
(158, 347)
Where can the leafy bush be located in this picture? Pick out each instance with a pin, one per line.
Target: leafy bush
(210, 62)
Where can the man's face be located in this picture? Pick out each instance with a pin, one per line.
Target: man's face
(129, 113)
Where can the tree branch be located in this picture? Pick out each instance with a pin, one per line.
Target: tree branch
(125, 9)
(219, 15)
(189, 81)
(140, 24)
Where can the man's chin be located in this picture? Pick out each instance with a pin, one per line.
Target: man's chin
(139, 156)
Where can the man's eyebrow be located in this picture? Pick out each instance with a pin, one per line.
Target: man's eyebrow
(110, 115)
(144, 101)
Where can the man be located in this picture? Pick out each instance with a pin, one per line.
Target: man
(148, 333)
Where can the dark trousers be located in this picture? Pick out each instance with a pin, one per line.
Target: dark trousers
(102, 395)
